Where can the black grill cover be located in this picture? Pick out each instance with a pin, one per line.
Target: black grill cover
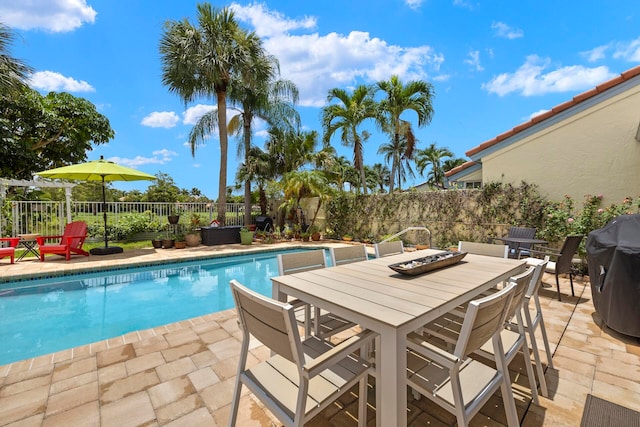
(264, 223)
(613, 254)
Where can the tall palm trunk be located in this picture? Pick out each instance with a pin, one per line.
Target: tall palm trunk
(359, 161)
(224, 145)
(247, 154)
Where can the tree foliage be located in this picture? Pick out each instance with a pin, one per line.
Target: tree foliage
(42, 132)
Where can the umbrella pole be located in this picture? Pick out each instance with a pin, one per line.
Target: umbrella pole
(106, 250)
(104, 212)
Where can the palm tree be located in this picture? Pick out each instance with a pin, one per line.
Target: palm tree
(259, 95)
(399, 155)
(347, 116)
(382, 176)
(202, 61)
(432, 156)
(13, 72)
(415, 96)
(291, 149)
(298, 185)
(257, 168)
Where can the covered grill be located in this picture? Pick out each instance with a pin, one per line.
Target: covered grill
(264, 223)
(613, 254)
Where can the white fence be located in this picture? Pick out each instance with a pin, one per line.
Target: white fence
(49, 218)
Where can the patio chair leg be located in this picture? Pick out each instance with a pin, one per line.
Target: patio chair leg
(558, 286)
(571, 280)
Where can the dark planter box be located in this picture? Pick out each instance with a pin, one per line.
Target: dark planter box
(220, 235)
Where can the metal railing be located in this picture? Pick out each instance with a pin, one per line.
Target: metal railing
(50, 217)
(400, 233)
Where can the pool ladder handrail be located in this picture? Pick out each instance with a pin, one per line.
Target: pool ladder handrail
(400, 233)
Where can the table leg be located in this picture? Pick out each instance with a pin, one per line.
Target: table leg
(391, 386)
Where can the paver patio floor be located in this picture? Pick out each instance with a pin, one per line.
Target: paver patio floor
(182, 374)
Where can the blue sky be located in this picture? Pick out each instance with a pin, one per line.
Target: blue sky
(493, 64)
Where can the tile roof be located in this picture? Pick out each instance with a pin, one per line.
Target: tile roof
(627, 75)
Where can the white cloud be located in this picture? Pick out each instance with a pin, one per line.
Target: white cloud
(317, 63)
(595, 54)
(628, 51)
(50, 15)
(193, 114)
(530, 80)
(505, 31)
(414, 4)
(464, 4)
(159, 157)
(52, 81)
(161, 119)
(268, 23)
(474, 60)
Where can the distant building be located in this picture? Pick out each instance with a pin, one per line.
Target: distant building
(587, 145)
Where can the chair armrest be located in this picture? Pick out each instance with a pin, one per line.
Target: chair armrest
(42, 239)
(543, 251)
(417, 343)
(315, 366)
(13, 241)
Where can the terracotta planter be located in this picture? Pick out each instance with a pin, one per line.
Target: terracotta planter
(315, 237)
(180, 245)
(192, 239)
(167, 243)
(251, 227)
(347, 238)
(157, 244)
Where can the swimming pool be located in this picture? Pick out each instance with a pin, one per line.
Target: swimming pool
(44, 316)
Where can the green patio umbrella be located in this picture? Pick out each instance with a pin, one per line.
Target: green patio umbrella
(98, 170)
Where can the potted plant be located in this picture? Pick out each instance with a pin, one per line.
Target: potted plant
(305, 236)
(174, 215)
(315, 233)
(347, 237)
(167, 243)
(156, 243)
(179, 241)
(246, 236)
(193, 237)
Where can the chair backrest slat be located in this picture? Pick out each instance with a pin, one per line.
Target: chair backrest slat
(76, 228)
(268, 320)
(389, 248)
(522, 281)
(299, 262)
(540, 266)
(488, 249)
(348, 254)
(569, 248)
(483, 319)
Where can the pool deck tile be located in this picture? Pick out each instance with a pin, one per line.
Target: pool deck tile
(183, 373)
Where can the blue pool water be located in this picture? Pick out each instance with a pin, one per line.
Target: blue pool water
(44, 316)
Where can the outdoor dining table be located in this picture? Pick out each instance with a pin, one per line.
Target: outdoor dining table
(392, 304)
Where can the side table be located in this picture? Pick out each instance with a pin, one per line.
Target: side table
(29, 243)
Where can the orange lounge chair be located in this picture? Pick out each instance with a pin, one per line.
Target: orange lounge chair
(11, 250)
(70, 242)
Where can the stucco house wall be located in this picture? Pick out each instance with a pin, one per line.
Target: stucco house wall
(591, 152)
(588, 145)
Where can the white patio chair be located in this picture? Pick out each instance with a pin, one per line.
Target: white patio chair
(531, 323)
(328, 324)
(302, 377)
(453, 380)
(488, 249)
(389, 248)
(348, 254)
(514, 336)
